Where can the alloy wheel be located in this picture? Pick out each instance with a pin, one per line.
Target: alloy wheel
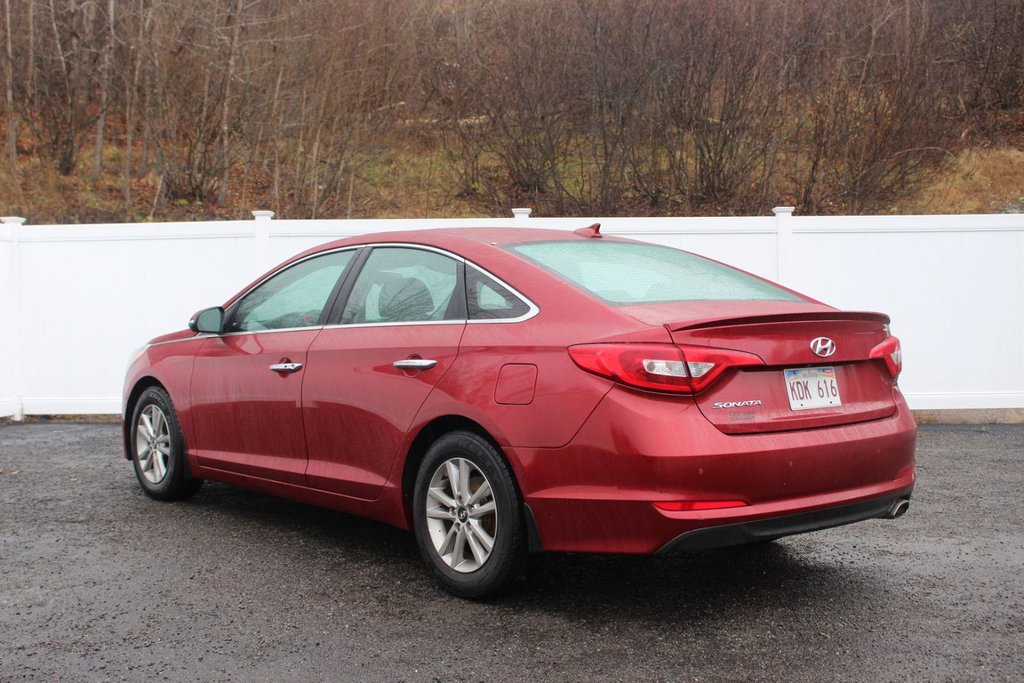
(153, 443)
(462, 518)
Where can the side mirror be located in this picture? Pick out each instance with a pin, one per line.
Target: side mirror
(210, 320)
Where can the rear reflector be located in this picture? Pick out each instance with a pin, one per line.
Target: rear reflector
(694, 505)
(660, 367)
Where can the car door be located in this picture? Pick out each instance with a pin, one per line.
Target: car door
(247, 382)
(397, 334)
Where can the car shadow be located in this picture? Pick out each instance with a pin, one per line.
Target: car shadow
(688, 589)
(353, 537)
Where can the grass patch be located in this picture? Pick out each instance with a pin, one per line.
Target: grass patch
(977, 181)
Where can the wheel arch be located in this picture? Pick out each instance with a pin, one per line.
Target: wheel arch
(427, 435)
(143, 383)
(430, 433)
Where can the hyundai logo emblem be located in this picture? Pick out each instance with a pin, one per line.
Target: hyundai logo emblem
(823, 346)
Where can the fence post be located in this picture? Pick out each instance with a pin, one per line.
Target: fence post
(783, 242)
(522, 214)
(17, 339)
(262, 219)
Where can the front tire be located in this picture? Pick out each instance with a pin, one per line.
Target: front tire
(158, 448)
(467, 516)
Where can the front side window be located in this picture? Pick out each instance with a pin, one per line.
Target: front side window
(398, 284)
(294, 297)
(636, 273)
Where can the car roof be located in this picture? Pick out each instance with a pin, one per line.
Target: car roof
(454, 238)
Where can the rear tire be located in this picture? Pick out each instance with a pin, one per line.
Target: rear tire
(467, 516)
(158, 448)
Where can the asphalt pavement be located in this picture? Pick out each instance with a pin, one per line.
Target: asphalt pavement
(97, 582)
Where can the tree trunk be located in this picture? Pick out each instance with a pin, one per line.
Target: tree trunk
(130, 92)
(278, 123)
(225, 121)
(31, 62)
(101, 121)
(12, 124)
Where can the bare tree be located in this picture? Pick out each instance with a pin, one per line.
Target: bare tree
(60, 109)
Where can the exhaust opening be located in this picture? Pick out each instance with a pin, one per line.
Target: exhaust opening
(899, 508)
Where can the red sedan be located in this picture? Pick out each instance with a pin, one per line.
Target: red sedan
(505, 391)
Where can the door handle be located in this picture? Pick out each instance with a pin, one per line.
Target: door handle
(286, 367)
(415, 364)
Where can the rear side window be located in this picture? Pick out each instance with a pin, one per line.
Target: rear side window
(632, 273)
(398, 285)
(488, 299)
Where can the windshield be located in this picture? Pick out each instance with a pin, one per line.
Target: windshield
(636, 273)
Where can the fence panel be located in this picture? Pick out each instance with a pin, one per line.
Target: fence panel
(92, 294)
(953, 285)
(76, 300)
(9, 404)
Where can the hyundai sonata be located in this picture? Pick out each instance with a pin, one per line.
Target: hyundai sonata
(506, 391)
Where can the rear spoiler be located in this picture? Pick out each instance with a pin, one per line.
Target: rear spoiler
(809, 316)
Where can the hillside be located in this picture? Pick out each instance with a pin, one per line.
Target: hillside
(189, 109)
(415, 183)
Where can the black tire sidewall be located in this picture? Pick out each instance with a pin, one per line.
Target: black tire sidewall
(509, 540)
(173, 484)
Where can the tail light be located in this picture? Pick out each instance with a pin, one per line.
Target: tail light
(889, 351)
(660, 367)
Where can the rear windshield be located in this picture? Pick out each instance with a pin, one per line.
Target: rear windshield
(632, 273)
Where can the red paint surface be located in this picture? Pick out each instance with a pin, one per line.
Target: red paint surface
(358, 407)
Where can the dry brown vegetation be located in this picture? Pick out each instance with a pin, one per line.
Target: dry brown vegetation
(130, 109)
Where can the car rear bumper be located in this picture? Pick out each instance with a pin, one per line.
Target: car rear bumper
(776, 527)
(598, 493)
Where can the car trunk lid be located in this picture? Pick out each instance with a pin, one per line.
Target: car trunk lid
(796, 388)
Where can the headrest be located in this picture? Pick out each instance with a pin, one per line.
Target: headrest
(404, 299)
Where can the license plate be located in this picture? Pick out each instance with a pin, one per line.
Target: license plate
(812, 388)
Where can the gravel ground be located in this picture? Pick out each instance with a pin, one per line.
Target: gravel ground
(97, 582)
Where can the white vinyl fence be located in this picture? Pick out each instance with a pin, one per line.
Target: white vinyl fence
(75, 301)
